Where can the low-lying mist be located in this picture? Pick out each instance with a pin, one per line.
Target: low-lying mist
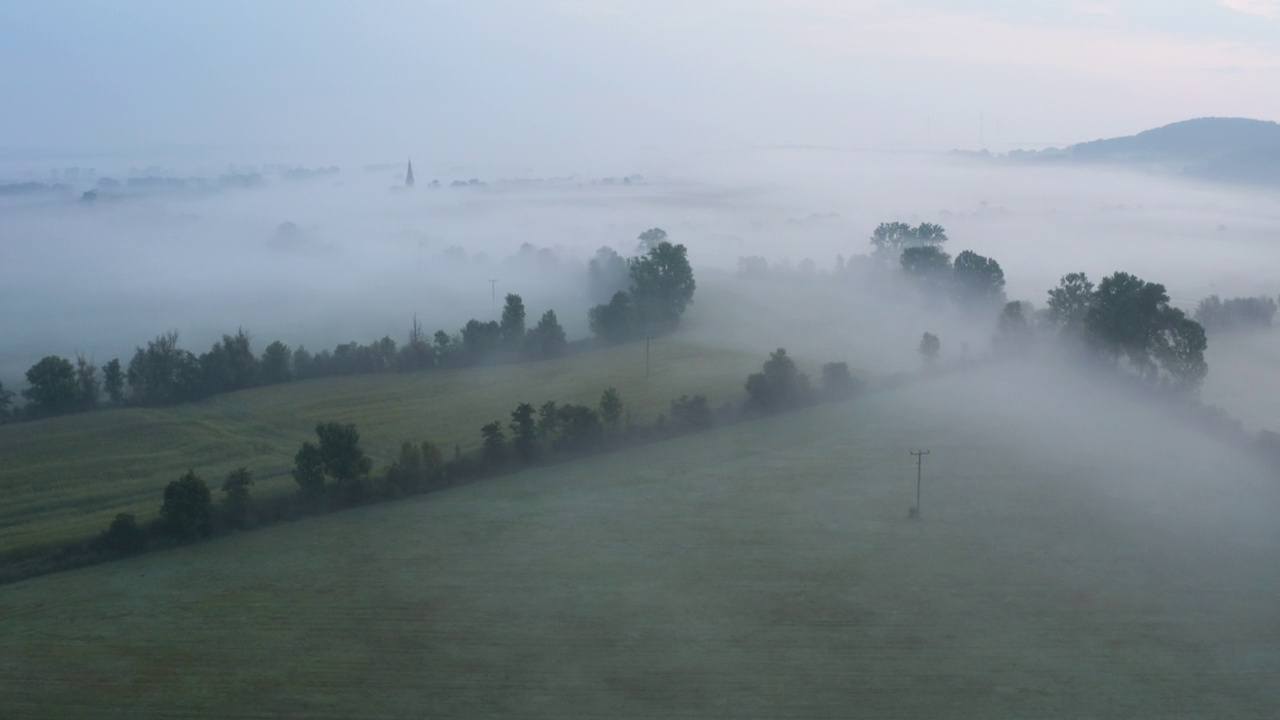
(353, 256)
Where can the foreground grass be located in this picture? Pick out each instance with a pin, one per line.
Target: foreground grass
(67, 477)
(762, 570)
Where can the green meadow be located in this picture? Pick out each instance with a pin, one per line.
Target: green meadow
(1078, 556)
(67, 477)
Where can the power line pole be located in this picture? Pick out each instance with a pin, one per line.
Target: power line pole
(919, 461)
(493, 297)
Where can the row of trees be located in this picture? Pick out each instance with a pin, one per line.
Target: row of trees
(647, 294)
(1235, 314)
(163, 373)
(1127, 320)
(972, 280)
(1124, 320)
(335, 471)
(188, 513)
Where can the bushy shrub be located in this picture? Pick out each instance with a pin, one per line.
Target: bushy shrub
(690, 414)
(781, 385)
(123, 536)
(837, 383)
(417, 469)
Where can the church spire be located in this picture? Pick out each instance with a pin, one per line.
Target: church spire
(408, 177)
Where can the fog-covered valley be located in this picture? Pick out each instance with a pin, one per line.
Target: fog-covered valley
(355, 255)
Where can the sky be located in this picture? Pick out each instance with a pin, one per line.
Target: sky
(566, 85)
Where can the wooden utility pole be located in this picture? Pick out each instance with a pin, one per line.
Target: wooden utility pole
(919, 461)
(493, 297)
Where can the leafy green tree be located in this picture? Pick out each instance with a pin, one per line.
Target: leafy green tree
(6, 404)
(580, 428)
(418, 468)
(546, 339)
(837, 383)
(691, 414)
(495, 443)
(650, 239)
(481, 341)
(113, 381)
(1013, 331)
(123, 536)
(1179, 349)
(524, 431)
(512, 326)
(230, 364)
(385, 355)
(308, 470)
(927, 265)
(303, 363)
(187, 511)
(889, 240)
(548, 421)
(930, 234)
(662, 286)
(163, 373)
(417, 354)
(611, 409)
(448, 349)
(614, 322)
(929, 348)
(1070, 302)
(342, 457)
(235, 495)
(53, 387)
(1126, 315)
(607, 274)
(275, 364)
(779, 386)
(977, 280)
(88, 386)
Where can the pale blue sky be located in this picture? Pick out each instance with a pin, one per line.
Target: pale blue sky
(561, 81)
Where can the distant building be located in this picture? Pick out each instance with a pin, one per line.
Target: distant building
(408, 177)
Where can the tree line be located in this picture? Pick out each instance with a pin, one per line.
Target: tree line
(164, 373)
(334, 471)
(659, 286)
(1122, 322)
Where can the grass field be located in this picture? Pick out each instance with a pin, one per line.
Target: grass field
(1115, 568)
(68, 477)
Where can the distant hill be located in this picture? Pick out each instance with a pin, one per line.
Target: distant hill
(1222, 149)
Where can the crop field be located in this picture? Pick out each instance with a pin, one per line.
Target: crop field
(766, 569)
(68, 477)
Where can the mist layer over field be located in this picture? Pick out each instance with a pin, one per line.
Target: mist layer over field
(353, 256)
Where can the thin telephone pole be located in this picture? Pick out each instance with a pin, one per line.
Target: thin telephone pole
(493, 297)
(919, 461)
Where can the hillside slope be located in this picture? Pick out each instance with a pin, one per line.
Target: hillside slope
(1223, 149)
(1114, 567)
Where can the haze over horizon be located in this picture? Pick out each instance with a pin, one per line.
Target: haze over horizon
(571, 86)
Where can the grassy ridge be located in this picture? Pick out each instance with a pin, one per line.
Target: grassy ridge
(68, 477)
(761, 570)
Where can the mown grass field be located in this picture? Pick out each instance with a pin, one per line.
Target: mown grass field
(68, 477)
(1111, 568)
